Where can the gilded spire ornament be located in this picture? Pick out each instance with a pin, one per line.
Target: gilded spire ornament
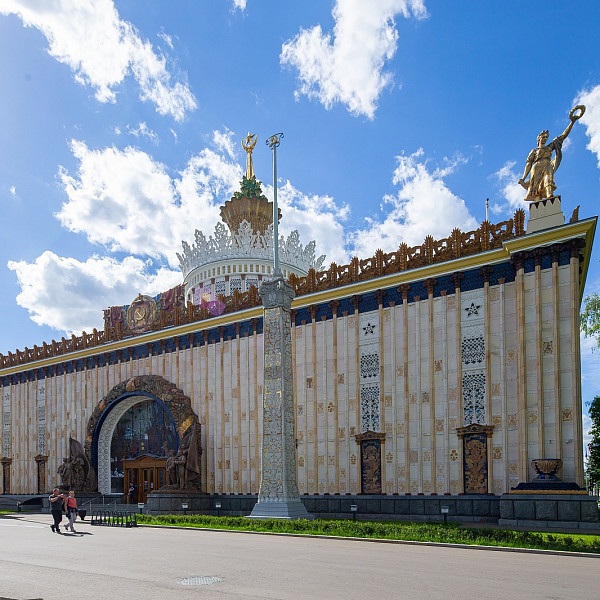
(248, 146)
(540, 165)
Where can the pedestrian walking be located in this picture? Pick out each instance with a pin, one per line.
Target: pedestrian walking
(71, 510)
(57, 503)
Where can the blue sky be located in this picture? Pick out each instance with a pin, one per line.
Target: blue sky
(121, 125)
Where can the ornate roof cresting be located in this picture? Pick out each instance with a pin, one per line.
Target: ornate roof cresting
(244, 244)
(172, 310)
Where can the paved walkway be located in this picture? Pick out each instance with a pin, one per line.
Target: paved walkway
(113, 563)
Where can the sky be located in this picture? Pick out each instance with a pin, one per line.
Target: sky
(121, 122)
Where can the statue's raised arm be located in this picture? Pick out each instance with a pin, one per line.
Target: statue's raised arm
(541, 166)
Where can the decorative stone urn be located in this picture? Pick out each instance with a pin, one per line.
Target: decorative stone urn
(546, 468)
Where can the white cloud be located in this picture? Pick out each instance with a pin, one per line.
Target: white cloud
(591, 119)
(241, 4)
(128, 202)
(315, 217)
(348, 66)
(143, 130)
(70, 295)
(167, 39)
(513, 193)
(13, 190)
(102, 50)
(223, 141)
(422, 206)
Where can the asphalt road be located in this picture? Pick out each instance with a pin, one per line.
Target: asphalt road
(145, 563)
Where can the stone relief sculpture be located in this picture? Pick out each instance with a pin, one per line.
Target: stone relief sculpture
(76, 471)
(540, 165)
(183, 468)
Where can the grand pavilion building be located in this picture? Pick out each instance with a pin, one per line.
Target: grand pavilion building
(443, 368)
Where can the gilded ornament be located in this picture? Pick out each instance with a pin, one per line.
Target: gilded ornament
(141, 314)
(541, 166)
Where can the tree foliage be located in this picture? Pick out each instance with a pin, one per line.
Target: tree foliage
(590, 317)
(593, 464)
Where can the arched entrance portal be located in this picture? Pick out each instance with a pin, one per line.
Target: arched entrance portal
(141, 390)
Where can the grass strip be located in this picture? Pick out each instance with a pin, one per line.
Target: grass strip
(390, 530)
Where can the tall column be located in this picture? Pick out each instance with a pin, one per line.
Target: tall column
(429, 285)
(576, 245)
(403, 289)
(556, 357)
(278, 495)
(518, 261)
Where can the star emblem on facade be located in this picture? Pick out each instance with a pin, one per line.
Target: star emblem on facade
(473, 309)
(369, 329)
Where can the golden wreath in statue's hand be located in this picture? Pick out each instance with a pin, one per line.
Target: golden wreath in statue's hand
(573, 115)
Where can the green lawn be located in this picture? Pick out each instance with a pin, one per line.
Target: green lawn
(391, 530)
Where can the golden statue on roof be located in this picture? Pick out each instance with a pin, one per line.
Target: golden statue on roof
(540, 165)
(250, 140)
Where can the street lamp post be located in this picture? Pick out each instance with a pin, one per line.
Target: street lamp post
(273, 143)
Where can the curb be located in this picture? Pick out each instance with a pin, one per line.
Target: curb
(385, 541)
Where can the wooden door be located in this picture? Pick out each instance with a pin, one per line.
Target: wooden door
(147, 473)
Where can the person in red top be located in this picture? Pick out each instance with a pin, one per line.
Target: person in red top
(71, 510)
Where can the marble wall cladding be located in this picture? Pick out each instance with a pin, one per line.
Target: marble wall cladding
(375, 370)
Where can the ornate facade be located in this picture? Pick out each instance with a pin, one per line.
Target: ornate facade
(444, 368)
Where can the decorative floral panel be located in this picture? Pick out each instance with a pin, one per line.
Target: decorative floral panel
(473, 357)
(369, 363)
(6, 422)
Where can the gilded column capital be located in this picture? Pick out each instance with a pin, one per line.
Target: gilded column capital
(356, 301)
(456, 279)
(486, 273)
(429, 285)
(334, 305)
(379, 296)
(403, 289)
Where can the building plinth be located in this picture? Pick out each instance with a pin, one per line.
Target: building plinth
(545, 214)
(278, 497)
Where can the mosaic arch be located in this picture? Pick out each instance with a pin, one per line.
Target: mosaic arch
(115, 404)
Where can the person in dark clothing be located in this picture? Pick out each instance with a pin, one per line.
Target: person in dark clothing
(131, 493)
(57, 506)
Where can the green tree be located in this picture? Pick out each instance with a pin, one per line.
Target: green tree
(590, 317)
(593, 463)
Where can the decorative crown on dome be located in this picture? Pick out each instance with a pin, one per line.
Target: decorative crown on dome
(247, 243)
(250, 205)
(249, 218)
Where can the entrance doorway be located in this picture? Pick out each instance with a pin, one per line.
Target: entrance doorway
(147, 473)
